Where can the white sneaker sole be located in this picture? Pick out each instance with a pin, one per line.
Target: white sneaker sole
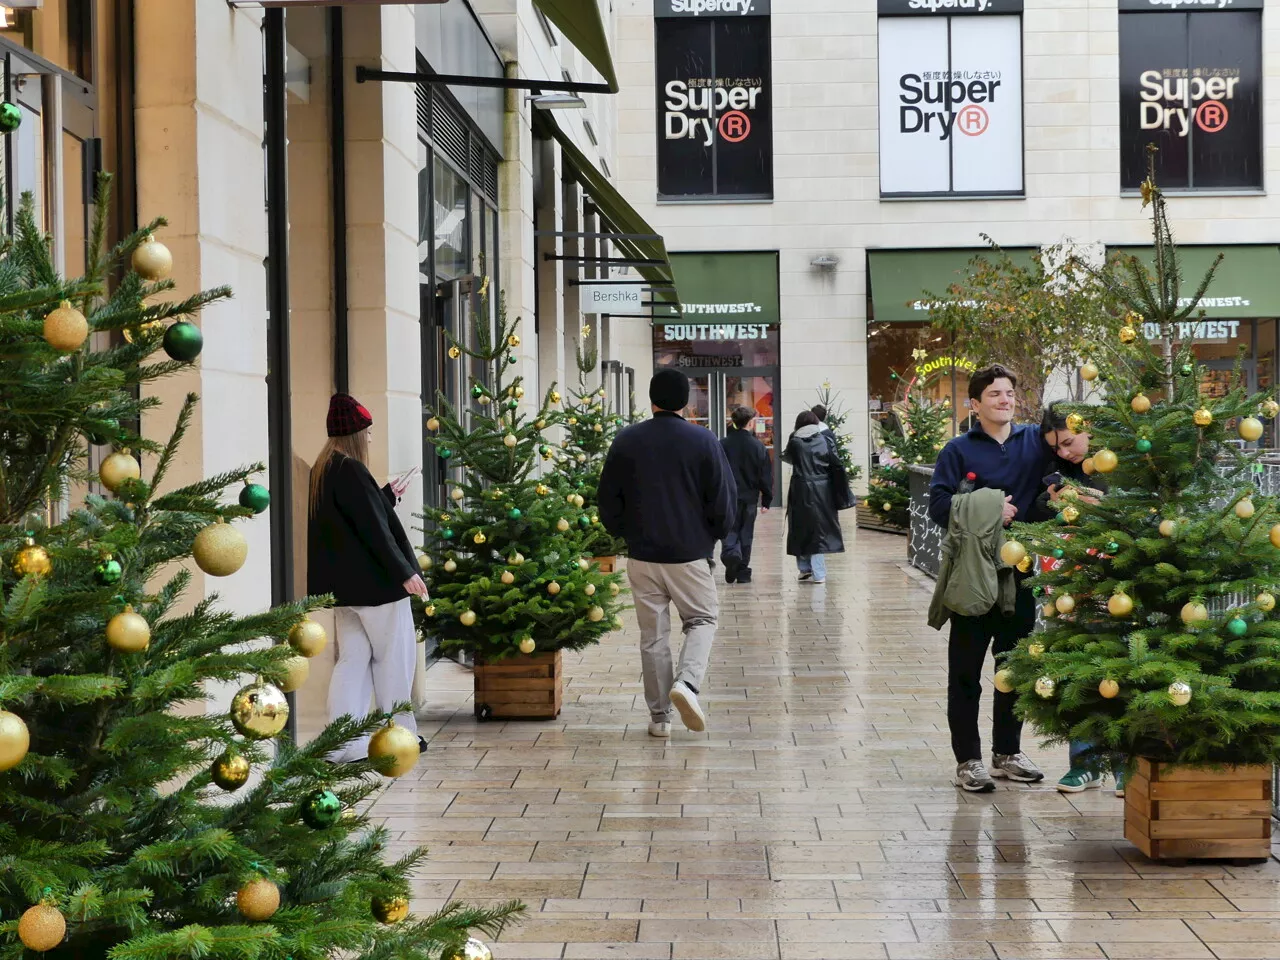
(988, 787)
(1004, 774)
(662, 734)
(690, 713)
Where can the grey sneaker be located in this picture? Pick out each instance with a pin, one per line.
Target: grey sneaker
(1015, 766)
(972, 776)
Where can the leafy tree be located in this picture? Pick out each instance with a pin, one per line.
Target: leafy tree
(913, 437)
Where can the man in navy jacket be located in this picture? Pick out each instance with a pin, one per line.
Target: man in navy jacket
(667, 489)
(994, 453)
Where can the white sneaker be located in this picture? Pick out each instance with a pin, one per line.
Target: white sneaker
(686, 701)
(660, 730)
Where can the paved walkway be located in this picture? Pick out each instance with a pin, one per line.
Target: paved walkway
(813, 821)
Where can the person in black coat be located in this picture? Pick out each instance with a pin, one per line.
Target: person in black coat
(357, 550)
(753, 474)
(813, 517)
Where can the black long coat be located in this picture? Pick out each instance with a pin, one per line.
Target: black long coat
(813, 520)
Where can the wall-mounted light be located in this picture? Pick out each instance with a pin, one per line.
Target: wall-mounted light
(556, 101)
(827, 261)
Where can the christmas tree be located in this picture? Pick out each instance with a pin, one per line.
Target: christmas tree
(915, 437)
(837, 420)
(1162, 642)
(508, 561)
(137, 827)
(589, 429)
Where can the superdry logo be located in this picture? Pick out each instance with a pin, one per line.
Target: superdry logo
(699, 7)
(698, 111)
(1175, 102)
(933, 6)
(959, 102)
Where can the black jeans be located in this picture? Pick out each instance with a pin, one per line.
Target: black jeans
(966, 650)
(735, 552)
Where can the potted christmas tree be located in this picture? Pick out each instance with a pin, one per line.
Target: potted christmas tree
(133, 825)
(508, 559)
(916, 437)
(1162, 647)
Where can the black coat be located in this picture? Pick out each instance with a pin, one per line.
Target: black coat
(356, 547)
(666, 488)
(752, 471)
(813, 519)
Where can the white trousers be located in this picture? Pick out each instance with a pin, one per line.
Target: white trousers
(377, 652)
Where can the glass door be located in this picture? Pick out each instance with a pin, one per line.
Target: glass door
(713, 395)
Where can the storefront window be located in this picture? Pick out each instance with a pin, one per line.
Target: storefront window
(913, 359)
(450, 199)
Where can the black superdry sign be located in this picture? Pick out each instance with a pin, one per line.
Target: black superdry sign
(1191, 83)
(714, 109)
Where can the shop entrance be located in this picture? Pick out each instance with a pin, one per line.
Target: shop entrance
(713, 395)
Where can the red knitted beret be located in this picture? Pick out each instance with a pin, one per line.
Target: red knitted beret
(347, 416)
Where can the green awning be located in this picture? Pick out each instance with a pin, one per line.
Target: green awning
(899, 279)
(635, 239)
(1246, 284)
(582, 26)
(722, 288)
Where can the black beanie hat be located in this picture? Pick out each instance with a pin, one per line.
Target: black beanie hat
(669, 389)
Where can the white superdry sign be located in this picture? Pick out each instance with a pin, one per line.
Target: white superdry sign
(710, 8)
(899, 8)
(950, 105)
(697, 110)
(608, 298)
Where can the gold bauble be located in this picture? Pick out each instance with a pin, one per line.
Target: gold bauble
(579, 501)
(450, 565)
(598, 429)
(1024, 565)
(1269, 409)
(429, 609)
(1275, 535)
(1108, 689)
(1104, 461)
(230, 771)
(1070, 493)
(1065, 603)
(118, 468)
(389, 909)
(128, 632)
(617, 623)
(258, 900)
(527, 645)
(1075, 422)
(393, 742)
(1266, 602)
(148, 326)
(259, 711)
(542, 489)
(1120, 605)
(589, 589)
(1168, 528)
(573, 421)
(555, 396)
(297, 670)
(308, 637)
(1070, 514)
(614, 589)
(562, 524)
(1088, 467)
(15, 740)
(1179, 693)
(1203, 417)
(32, 560)
(509, 440)
(467, 618)
(454, 352)
(1049, 611)
(1194, 613)
(433, 424)
(42, 927)
(1012, 553)
(553, 588)
(219, 549)
(595, 614)
(513, 340)
(1250, 428)
(1045, 687)
(472, 950)
(1036, 649)
(516, 559)
(479, 538)
(1004, 681)
(1245, 509)
(66, 329)
(424, 562)
(508, 577)
(1128, 334)
(1140, 404)
(456, 494)
(541, 424)
(152, 259)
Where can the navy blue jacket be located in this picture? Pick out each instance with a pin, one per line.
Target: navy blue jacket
(1016, 466)
(667, 489)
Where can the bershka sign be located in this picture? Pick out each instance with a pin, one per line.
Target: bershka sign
(1191, 83)
(950, 104)
(608, 298)
(710, 8)
(906, 8)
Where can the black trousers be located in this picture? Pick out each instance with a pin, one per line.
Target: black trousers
(966, 650)
(736, 549)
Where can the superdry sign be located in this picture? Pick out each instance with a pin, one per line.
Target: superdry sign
(710, 8)
(1191, 83)
(906, 8)
(950, 105)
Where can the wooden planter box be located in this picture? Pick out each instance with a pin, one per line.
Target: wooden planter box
(1175, 812)
(520, 687)
(607, 564)
(870, 519)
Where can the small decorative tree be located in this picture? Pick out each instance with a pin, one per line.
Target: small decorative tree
(914, 437)
(837, 421)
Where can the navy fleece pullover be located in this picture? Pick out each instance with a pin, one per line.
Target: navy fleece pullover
(1016, 466)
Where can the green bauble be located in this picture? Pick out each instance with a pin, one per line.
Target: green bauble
(445, 453)
(10, 117)
(1237, 627)
(514, 513)
(183, 341)
(513, 359)
(544, 449)
(108, 572)
(1112, 547)
(477, 391)
(321, 808)
(584, 521)
(106, 431)
(255, 497)
(1187, 369)
(1143, 445)
(513, 403)
(446, 533)
(1058, 553)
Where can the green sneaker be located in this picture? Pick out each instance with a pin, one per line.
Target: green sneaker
(1078, 781)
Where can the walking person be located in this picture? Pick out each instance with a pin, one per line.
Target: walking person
(995, 454)
(667, 489)
(813, 499)
(357, 550)
(753, 475)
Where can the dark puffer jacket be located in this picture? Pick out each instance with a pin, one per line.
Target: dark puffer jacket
(813, 520)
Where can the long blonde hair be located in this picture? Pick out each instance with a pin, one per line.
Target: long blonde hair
(355, 446)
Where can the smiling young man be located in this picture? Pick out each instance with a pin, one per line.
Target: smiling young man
(995, 454)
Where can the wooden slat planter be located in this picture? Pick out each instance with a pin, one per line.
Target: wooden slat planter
(520, 687)
(869, 519)
(606, 564)
(1183, 813)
